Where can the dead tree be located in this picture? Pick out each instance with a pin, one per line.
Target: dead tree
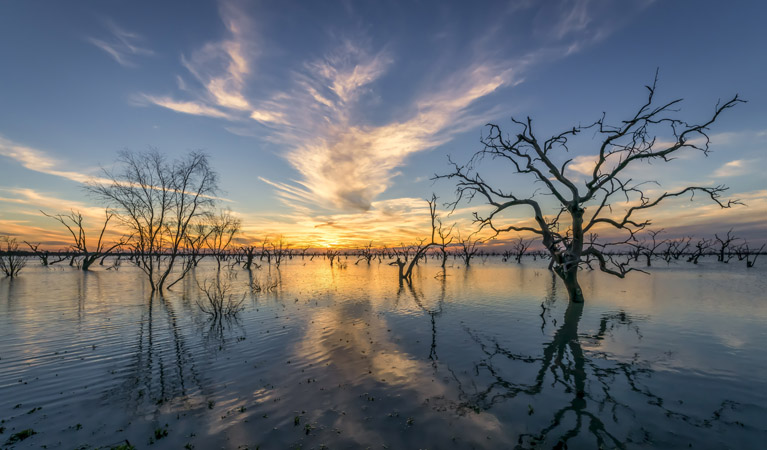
(194, 242)
(631, 142)
(158, 201)
(249, 252)
(331, 255)
(520, 247)
(223, 228)
(724, 244)
(417, 250)
(11, 260)
(265, 251)
(468, 247)
(649, 247)
(366, 254)
(676, 248)
(280, 249)
(743, 251)
(445, 239)
(700, 249)
(44, 254)
(74, 224)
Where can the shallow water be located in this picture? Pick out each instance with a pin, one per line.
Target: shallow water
(489, 357)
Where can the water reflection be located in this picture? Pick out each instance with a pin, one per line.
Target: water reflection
(490, 357)
(433, 311)
(589, 385)
(163, 368)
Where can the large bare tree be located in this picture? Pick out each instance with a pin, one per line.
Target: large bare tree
(619, 147)
(159, 201)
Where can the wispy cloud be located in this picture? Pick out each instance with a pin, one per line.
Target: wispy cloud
(22, 218)
(39, 161)
(734, 168)
(185, 107)
(122, 45)
(40, 200)
(346, 164)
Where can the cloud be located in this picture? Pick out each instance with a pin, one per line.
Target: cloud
(583, 164)
(734, 168)
(185, 107)
(39, 200)
(222, 67)
(122, 46)
(345, 158)
(23, 220)
(345, 163)
(38, 161)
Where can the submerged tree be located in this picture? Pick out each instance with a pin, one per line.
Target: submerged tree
(11, 261)
(620, 147)
(468, 247)
(74, 224)
(417, 250)
(158, 201)
(223, 228)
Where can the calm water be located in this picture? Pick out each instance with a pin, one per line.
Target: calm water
(489, 357)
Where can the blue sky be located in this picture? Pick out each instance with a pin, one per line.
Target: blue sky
(326, 120)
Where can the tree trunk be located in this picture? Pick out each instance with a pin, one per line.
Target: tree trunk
(571, 284)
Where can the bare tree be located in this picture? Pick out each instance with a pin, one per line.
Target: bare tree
(219, 302)
(223, 228)
(417, 250)
(158, 201)
(74, 224)
(520, 248)
(280, 249)
(649, 247)
(622, 146)
(468, 247)
(44, 254)
(249, 252)
(744, 252)
(11, 261)
(724, 243)
(445, 239)
(332, 255)
(366, 254)
(700, 249)
(676, 248)
(196, 237)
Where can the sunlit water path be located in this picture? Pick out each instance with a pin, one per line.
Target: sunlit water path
(488, 357)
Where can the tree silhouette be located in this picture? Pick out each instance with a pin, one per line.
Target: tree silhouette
(159, 202)
(11, 262)
(623, 146)
(74, 224)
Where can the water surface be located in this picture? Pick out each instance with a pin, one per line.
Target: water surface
(490, 356)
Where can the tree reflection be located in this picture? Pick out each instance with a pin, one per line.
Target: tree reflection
(586, 393)
(433, 312)
(163, 367)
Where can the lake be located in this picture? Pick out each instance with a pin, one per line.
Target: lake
(489, 356)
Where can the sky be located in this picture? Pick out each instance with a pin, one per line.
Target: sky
(326, 121)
